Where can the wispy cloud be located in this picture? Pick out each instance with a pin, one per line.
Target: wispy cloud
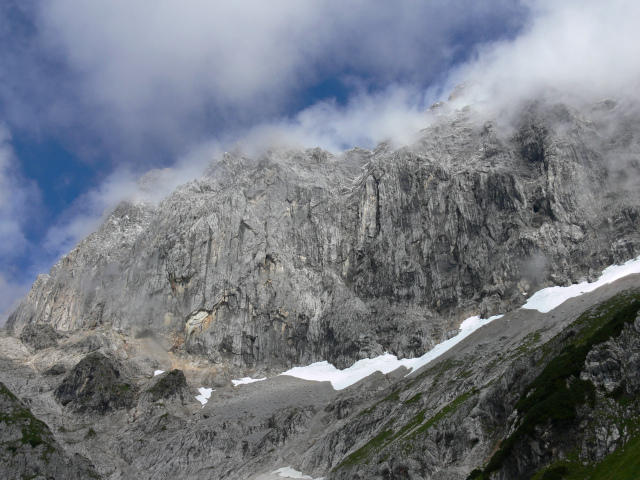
(573, 51)
(18, 198)
(395, 114)
(151, 77)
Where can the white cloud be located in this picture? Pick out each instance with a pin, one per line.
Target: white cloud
(395, 114)
(169, 72)
(18, 197)
(572, 50)
(10, 294)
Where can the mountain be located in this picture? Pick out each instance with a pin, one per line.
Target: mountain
(298, 256)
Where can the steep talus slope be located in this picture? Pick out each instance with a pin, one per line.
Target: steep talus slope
(527, 394)
(299, 256)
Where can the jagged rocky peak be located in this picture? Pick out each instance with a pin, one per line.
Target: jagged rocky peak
(294, 256)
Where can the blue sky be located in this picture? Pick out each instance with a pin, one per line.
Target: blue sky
(94, 94)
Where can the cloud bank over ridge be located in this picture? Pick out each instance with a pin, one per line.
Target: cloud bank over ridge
(135, 85)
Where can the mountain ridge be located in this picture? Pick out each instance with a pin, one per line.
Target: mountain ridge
(290, 257)
(299, 242)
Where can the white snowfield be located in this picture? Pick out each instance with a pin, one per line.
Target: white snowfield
(341, 379)
(547, 299)
(544, 301)
(158, 372)
(205, 395)
(288, 472)
(246, 380)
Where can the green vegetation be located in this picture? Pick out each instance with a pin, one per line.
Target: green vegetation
(448, 409)
(623, 464)
(528, 343)
(556, 473)
(556, 392)
(34, 432)
(367, 411)
(415, 399)
(413, 423)
(440, 369)
(475, 473)
(415, 426)
(392, 397)
(363, 453)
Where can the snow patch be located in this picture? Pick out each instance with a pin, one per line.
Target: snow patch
(544, 301)
(158, 372)
(341, 379)
(288, 472)
(246, 380)
(205, 395)
(547, 299)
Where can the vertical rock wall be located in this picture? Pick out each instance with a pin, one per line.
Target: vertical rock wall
(300, 256)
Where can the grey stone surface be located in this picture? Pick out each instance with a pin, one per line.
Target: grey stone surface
(28, 449)
(39, 336)
(249, 431)
(97, 384)
(298, 256)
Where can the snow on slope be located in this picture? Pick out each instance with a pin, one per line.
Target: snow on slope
(544, 301)
(547, 299)
(205, 394)
(288, 472)
(245, 380)
(340, 379)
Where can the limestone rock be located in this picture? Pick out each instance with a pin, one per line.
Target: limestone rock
(97, 384)
(168, 387)
(39, 336)
(28, 449)
(292, 256)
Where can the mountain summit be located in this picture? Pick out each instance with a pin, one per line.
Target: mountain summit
(291, 257)
(298, 256)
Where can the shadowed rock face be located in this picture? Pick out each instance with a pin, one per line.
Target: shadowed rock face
(171, 386)
(97, 385)
(298, 256)
(39, 336)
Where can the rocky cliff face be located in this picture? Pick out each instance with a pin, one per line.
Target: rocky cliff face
(298, 256)
(530, 395)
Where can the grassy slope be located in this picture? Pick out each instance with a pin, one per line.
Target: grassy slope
(557, 391)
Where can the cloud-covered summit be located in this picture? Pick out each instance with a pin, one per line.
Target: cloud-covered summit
(157, 75)
(129, 86)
